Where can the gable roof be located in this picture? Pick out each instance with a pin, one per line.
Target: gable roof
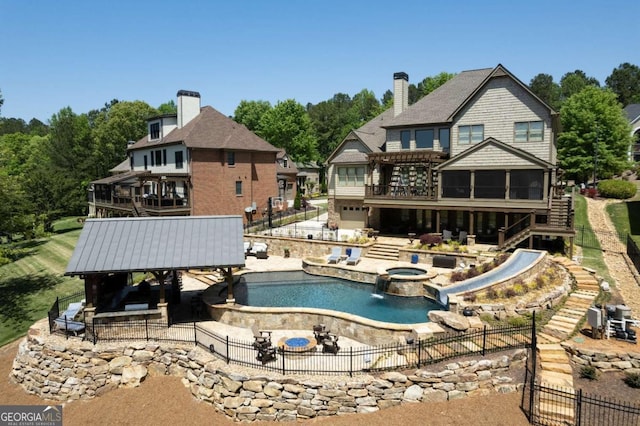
(442, 105)
(499, 144)
(211, 130)
(152, 244)
(633, 112)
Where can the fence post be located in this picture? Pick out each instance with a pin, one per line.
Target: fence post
(146, 327)
(419, 351)
(484, 339)
(195, 334)
(351, 361)
(227, 349)
(578, 407)
(282, 352)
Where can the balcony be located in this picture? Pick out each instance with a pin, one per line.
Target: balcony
(399, 192)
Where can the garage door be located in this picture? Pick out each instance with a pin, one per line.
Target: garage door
(353, 217)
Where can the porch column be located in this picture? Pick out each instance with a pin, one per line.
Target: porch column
(507, 181)
(472, 184)
(438, 221)
(471, 222)
(228, 275)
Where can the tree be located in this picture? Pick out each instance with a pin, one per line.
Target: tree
(546, 89)
(287, 125)
(364, 107)
(168, 107)
(387, 99)
(573, 82)
(624, 81)
(12, 125)
(429, 84)
(595, 130)
(250, 113)
(14, 208)
(37, 127)
(332, 120)
(124, 122)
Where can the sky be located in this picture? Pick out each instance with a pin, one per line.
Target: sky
(82, 54)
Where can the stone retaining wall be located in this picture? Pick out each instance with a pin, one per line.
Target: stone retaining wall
(605, 361)
(65, 370)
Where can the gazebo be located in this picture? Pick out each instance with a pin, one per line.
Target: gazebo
(109, 250)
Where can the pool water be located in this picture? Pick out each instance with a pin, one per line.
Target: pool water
(302, 290)
(406, 271)
(297, 342)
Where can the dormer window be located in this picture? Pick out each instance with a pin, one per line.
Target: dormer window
(154, 131)
(285, 163)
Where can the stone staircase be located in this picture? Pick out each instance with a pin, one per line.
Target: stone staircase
(384, 251)
(555, 371)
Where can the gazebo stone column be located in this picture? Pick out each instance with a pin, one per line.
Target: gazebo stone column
(228, 275)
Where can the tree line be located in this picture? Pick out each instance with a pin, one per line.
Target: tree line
(45, 169)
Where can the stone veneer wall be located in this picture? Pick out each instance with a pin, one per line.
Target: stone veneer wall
(605, 361)
(65, 370)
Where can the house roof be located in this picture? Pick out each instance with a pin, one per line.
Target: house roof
(350, 157)
(211, 130)
(307, 165)
(633, 112)
(152, 244)
(120, 177)
(122, 167)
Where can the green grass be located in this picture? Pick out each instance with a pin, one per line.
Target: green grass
(591, 257)
(30, 285)
(625, 217)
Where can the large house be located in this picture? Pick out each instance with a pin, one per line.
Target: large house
(196, 162)
(477, 155)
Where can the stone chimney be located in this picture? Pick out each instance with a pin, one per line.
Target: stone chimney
(400, 92)
(188, 106)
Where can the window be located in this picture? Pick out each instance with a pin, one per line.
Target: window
(164, 157)
(405, 139)
(444, 135)
(179, 159)
(470, 134)
(526, 184)
(145, 162)
(158, 157)
(238, 187)
(489, 184)
(456, 184)
(351, 176)
(424, 139)
(131, 162)
(529, 131)
(152, 158)
(285, 164)
(231, 158)
(154, 130)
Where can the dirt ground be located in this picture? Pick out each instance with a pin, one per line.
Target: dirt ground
(164, 400)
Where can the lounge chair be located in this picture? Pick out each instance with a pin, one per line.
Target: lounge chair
(354, 258)
(247, 248)
(259, 250)
(334, 257)
(446, 236)
(66, 321)
(462, 238)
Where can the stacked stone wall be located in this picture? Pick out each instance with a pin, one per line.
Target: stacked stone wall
(66, 370)
(605, 361)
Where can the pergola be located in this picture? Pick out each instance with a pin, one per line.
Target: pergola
(157, 245)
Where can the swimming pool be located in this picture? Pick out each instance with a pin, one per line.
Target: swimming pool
(302, 290)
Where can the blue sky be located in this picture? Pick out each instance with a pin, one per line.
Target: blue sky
(82, 54)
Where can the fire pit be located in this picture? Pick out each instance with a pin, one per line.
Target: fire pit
(298, 344)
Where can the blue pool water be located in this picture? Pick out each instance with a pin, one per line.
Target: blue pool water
(406, 271)
(297, 342)
(299, 289)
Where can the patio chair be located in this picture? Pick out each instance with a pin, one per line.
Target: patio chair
(66, 321)
(334, 257)
(320, 333)
(262, 338)
(446, 236)
(354, 258)
(462, 238)
(247, 248)
(330, 344)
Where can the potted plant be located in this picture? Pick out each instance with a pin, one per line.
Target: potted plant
(287, 252)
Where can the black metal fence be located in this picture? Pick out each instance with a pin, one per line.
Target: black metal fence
(284, 217)
(346, 360)
(587, 237)
(60, 305)
(633, 252)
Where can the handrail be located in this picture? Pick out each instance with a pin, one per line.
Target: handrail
(502, 232)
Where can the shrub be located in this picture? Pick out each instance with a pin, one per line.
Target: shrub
(620, 189)
(540, 282)
(457, 276)
(492, 294)
(509, 292)
(518, 288)
(473, 272)
(430, 240)
(517, 321)
(589, 372)
(632, 380)
(469, 297)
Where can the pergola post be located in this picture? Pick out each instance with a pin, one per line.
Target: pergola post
(228, 276)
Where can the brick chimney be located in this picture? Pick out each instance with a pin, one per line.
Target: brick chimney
(400, 92)
(188, 106)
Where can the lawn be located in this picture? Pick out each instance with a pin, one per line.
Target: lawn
(30, 285)
(625, 217)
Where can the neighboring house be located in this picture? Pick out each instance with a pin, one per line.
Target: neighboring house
(309, 177)
(477, 155)
(287, 172)
(196, 162)
(633, 115)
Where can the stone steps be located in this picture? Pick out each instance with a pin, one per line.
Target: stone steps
(544, 338)
(384, 252)
(558, 367)
(555, 371)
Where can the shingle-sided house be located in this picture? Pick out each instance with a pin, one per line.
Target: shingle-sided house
(633, 115)
(477, 155)
(196, 162)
